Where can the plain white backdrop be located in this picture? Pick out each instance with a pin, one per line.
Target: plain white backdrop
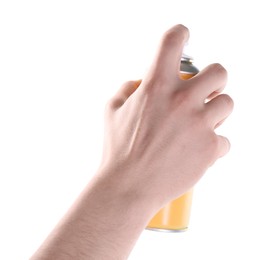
(60, 61)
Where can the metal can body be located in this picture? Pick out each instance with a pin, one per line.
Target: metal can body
(174, 217)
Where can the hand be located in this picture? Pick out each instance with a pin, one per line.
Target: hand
(161, 134)
(159, 141)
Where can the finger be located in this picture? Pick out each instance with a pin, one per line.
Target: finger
(213, 95)
(166, 65)
(219, 123)
(210, 82)
(218, 109)
(126, 90)
(223, 146)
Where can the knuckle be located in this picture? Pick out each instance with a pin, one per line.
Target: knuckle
(215, 144)
(214, 147)
(109, 104)
(154, 85)
(228, 101)
(205, 118)
(112, 104)
(218, 69)
(183, 97)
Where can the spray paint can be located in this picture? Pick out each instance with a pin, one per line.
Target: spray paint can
(174, 217)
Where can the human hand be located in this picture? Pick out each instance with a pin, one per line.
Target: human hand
(160, 137)
(159, 141)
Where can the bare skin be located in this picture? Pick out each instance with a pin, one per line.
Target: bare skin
(159, 141)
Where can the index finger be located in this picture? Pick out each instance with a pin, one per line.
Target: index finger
(166, 65)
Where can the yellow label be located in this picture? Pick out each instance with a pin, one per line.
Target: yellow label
(175, 215)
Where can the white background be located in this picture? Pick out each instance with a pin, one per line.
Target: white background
(59, 63)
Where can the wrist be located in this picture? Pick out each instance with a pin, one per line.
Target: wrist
(121, 185)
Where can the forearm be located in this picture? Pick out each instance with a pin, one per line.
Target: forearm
(104, 223)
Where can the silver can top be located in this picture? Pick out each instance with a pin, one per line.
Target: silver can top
(187, 65)
(187, 58)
